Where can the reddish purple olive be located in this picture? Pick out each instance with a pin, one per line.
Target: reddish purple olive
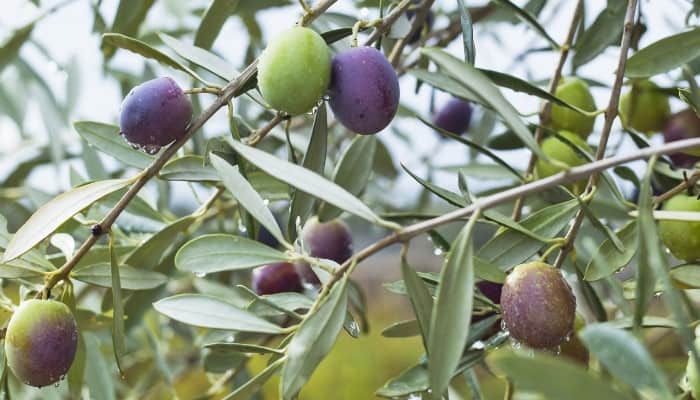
(276, 278)
(364, 90)
(683, 125)
(331, 240)
(454, 116)
(41, 341)
(154, 114)
(538, 305)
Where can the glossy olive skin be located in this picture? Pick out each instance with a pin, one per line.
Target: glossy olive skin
(556, 149)
(294, 70)
(644, 108)
(364, 91)
(454, 116)
(681, 237)
(331, 240)
(41, 341)
(538, 305)
(683, 125)
(276, 278)
(155, 113)
(577, 93)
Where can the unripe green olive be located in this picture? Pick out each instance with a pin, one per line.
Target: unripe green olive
(644, 108)
(294, 70)
(538, 305)
(575, 92)
(556, 149)
(681, 237)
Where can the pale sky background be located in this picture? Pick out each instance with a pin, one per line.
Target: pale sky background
(67, 35)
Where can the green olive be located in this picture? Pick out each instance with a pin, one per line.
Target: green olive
(681, 237)
(644, 108)
(575, 92)
(556, 149)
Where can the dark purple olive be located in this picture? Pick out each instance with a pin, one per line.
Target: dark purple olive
(364, 90)
(454, 116)
(41, 341)
(538, 305)
(154, 114)
(276, 278)
(683, 125)
(331, 240)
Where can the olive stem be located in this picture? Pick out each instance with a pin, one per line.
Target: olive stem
(546, 110)
(687, 183)
(232, 89)
(610, 115)
(207, 90)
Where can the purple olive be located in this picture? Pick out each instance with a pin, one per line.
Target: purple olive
(683, 125)
(41, 341)
(331, 240)
(276, 278)
(491, 290)
(538, 305)
(154, 114)
(364, 91)
(454, 117)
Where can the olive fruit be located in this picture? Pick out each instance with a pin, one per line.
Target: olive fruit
(154, 114)
(276, 278)
(575, 92)
(294, 70)
(538, 305)
(644, 108)
(41, 341)
(364, 91)
(330, 240)
(557, 149)
(454, 116)
(681, 237)
(683, 125)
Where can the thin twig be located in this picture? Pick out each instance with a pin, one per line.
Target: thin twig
(610, 115)
(420, 18)
(546, 110)
(687, 183)
(488, 202)
(231, 90)
(388, 22)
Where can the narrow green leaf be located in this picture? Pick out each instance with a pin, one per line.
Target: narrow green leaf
(106, 138)
(483, 150)
(352, 171)
(212, 21)
(220, 252)
(145, 50)
(610, 259)
(686, 276)
(188, 168)
(11, 47)
(553, 377)
(529, 19)
(227, 347)
(404, 329)
(129, 18)
(421, 300)
(447, 84)
(130, 277)
(98, 375)
(451, 315)
(314, 160)
(627, 359)
(210, 312)
(489, 94)
(246, 195)
(510, 248)
(605, 31)
(664, 55)
(118, 336)
(57, 211)
(448, 196)
(313, 341)
(465, 20)
(248, 389)
(199, 56)
(306, 181)
(149, 254)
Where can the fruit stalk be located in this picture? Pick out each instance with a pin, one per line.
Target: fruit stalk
(227, 93)
(546, 110)
(610, 115)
